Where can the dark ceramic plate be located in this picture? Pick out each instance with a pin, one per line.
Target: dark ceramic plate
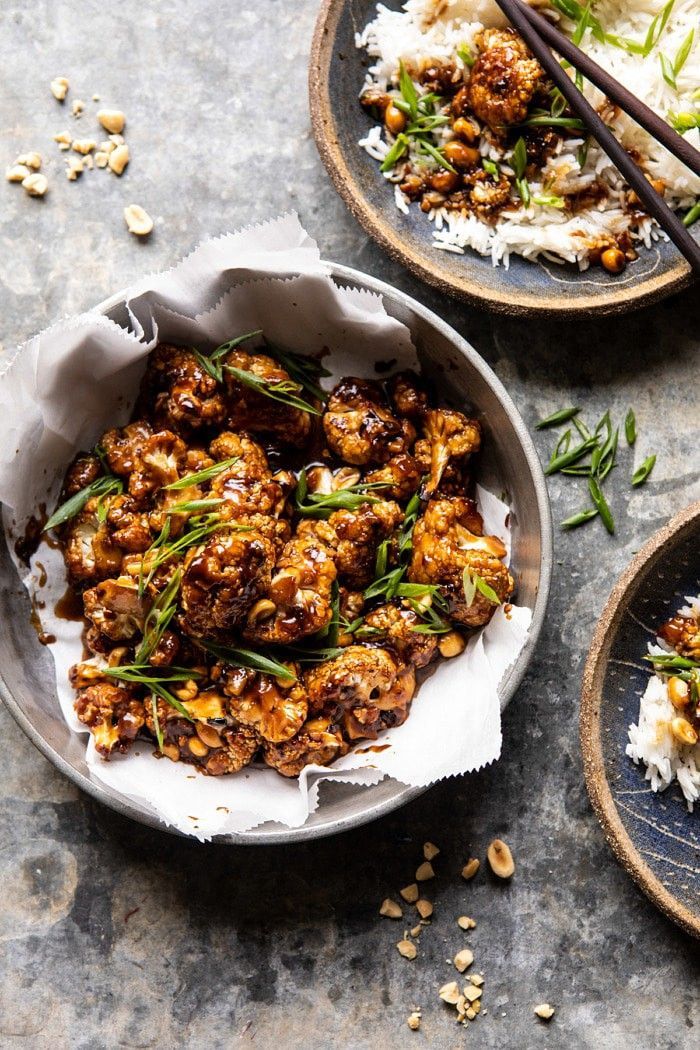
(336, 74)
(653, 836)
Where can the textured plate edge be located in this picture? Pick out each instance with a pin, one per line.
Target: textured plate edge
(323, 128)
(124, 808)
(597, 785)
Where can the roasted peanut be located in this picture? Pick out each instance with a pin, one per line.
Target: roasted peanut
(112, 120)
(500, 859)
(138, 221)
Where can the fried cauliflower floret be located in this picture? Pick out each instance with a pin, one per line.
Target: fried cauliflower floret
(317, 743)
(248, 485)
(486, 196)
(88, 549)
(223, 577)
(371, 687)
(393, 626)
(275, 709)
(683, 633)
(449, 539)
(400, 476)
(239, 745)
(112, 714)
(123, 446)
(160, 462)
(178, 392)
(128, 524)
(408, 396)
(358, 534)
(214, 749)
(254, 411)
(82, 472)
(448, 438)
(115, 610)
(503, 80)
(299, 598)
(359, 427)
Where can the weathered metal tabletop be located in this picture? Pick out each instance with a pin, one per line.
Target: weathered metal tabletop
(114, 935)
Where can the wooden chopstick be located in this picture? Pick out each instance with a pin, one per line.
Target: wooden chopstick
(615, 91)
(652, 201)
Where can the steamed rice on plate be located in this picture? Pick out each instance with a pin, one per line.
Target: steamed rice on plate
(666, 737)
(469, 128)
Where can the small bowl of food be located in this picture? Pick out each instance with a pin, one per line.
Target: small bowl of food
(448, 142)
(263, 574)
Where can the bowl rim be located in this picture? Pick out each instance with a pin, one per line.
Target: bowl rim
(626, 853)
(279, 835)
(514, 303)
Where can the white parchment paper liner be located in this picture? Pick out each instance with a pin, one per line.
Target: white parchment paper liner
(71, 382)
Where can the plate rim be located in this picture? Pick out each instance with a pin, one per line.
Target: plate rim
(323, 126)
(282, 836)
(597, 786)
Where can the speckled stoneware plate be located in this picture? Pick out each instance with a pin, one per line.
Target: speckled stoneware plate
(336, 75)
(509, 464)
(652, 835)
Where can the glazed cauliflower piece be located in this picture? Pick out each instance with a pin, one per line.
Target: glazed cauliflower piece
(359, 427)
(248, 485)
(448, 438)
(503, 80)
(486, 196)
(112, 714)
(393, 626)
(254, 411)
(317, 743)
(178, 392)
(215, 749)
(401, 477)
(89, 552)
(115, 610)
(370, 686)
(84, 469)
(449, 539)
(129, 526)
(358, 533)
(298, 601)
(408, 396)
(123, 447)
(239, 745)
(683, 634)
(222, 579)
(276, 709)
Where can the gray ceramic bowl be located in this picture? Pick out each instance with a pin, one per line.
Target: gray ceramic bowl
(509, 464)
(336, 74)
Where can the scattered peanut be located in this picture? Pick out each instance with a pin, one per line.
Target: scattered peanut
(410, 893)
(449, 993)
(681, 728)
(424, 872)
(112, 120)
(117, 140)
(451, 644)
(678, 690)
(77, 107)
(36, 184)
(545, 1011)
(465, 923)
(30, 160)
(424, 909)
(416, 931)
(63, 139)
(472, 993)
(208, 735)
(430, 850)
(83, 146)
(75, 168)
(197, 747)
(119, 158)
(476, 979)
(413, 1021)
(501, 859)
(59, 88)
(107, 146)
(463, 959)
(390, 909)
(407, 949)
(17, 173)
(470, 868)
(101, 159)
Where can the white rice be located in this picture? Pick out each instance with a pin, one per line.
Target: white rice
(435, 28)
(651, 740)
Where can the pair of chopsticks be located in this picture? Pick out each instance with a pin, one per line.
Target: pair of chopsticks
(540, 35)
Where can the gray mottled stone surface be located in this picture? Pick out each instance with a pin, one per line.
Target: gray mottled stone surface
(233, 947)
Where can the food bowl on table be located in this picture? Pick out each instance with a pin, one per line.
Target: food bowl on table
(337, 72)
(509, 465)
